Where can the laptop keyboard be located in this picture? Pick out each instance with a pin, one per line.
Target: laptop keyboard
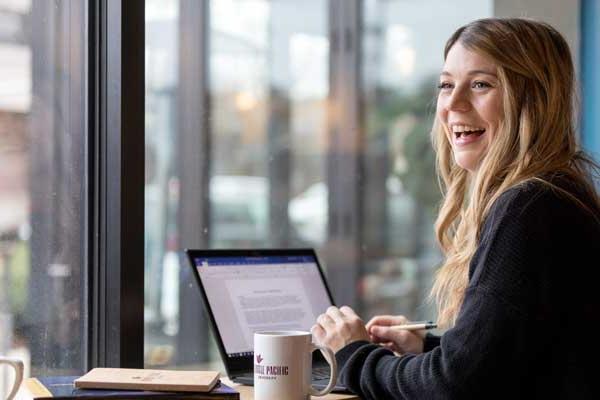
(320, 373)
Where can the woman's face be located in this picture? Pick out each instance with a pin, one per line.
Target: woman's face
(469, 105)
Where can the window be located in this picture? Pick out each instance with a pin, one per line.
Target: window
(236, 147)
(402, 57)
(274, 126)
(43, 131)
(70, 79)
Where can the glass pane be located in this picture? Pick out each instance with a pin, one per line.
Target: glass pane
(161, 263)
(42, 175)
(264, 112)
(269, 69)
(402, 57)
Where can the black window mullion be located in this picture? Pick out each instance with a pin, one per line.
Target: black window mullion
(90, 342)
(116, 326)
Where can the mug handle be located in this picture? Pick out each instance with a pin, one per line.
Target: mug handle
(18, 366)
(333, 375)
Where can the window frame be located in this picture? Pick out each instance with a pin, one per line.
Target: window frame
(114, 287)
(115, 245)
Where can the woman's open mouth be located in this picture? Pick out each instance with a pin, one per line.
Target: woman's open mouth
(464, 134)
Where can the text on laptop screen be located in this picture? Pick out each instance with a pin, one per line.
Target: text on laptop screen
(250, 294)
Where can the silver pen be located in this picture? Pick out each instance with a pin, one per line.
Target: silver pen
(415, 326)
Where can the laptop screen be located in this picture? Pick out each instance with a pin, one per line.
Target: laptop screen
(266, 292)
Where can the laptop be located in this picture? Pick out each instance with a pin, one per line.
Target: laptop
(245, 291)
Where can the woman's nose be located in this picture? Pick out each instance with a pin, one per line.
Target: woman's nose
(458, 101)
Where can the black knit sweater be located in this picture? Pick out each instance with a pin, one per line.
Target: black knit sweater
(521, 332)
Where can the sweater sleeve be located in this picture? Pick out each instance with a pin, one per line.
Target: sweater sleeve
(430, 342)
(486, 349)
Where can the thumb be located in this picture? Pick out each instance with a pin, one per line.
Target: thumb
(384, 333)
(387, 320)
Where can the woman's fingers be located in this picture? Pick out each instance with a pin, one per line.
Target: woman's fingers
(318, 333)
(402, 340)
(348, 312)
(376, 339)
(390, 345)
(338, 327)
(379, 320)
(386, 320)
(335, 314)
(325, 321)
(389, 334)
(382, 333)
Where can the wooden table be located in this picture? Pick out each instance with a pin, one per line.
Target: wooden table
(247, 392)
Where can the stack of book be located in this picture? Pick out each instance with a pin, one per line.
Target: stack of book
(124, 383)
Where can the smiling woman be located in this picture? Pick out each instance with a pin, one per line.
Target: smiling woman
(518, 84)
(519, 207)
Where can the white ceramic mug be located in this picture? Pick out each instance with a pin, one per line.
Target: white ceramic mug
(18, 366)
(283, 366)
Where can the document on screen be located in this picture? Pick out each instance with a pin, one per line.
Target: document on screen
(270, 304)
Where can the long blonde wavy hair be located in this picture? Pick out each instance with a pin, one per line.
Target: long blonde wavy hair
(536, 140)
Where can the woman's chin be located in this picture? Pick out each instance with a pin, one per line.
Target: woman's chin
(467, 161)
(469, 156)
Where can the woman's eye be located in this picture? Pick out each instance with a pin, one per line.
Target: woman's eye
(444, 85)
(481, 85)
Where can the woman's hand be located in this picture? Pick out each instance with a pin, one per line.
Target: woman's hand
(381, 330)
(339, 327)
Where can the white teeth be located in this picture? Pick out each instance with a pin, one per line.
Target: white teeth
(465, 128)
